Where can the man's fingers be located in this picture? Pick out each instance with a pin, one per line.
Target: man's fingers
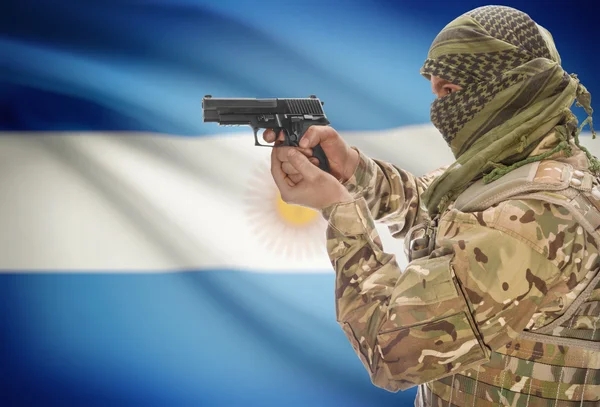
(316, 135)
(296, 178)
(303, 165)
(288, 168)
(282, 152)
(281, 136)
(269, 136)
(285, 184)
(277, 173)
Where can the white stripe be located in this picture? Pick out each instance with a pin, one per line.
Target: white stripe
(137, 202)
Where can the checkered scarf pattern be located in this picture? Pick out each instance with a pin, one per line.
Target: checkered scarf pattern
(514, 91)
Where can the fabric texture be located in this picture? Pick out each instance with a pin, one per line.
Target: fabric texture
(451, 322)
(514, 92)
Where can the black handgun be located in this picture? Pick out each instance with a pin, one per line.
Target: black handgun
(293, 116)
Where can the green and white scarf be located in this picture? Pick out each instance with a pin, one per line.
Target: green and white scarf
(514, 92)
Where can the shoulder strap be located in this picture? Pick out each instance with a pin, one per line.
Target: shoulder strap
(551, 181)
(537, 176)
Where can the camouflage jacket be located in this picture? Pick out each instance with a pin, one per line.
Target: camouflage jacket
(450, 321)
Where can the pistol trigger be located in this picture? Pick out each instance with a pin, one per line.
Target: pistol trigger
(286, 137)
(255, 130)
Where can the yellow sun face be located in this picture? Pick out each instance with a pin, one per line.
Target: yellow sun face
(287, 231)
(294, 214)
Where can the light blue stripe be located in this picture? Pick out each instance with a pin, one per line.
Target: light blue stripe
(190, 338)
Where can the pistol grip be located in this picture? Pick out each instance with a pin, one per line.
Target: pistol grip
(317, 150)
(319, 154)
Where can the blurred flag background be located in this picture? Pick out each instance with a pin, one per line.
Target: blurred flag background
(146, 256)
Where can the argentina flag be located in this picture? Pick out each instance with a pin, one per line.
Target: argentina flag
(146, 257)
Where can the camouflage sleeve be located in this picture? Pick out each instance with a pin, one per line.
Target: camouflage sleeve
(491, 273)
(392, 194)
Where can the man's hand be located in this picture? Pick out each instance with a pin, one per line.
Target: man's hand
(342, 159)
(317, 189)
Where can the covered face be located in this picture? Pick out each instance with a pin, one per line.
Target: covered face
(514, 93)
(503, 61)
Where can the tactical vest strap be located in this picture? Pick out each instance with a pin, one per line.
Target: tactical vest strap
(480, 196)
(572, 189)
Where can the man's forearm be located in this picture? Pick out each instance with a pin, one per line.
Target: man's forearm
(370, 285)
(392, 195)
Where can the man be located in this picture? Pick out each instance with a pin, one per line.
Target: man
(500, 302)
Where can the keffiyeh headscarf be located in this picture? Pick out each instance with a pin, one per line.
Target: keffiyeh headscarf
(514, 92)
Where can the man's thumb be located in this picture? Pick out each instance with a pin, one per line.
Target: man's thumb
(302, 165)
(313, 136)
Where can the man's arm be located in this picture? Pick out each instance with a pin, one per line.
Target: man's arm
(445, 313)
(392, 195)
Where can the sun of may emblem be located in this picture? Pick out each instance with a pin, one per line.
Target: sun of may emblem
(292, 231)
